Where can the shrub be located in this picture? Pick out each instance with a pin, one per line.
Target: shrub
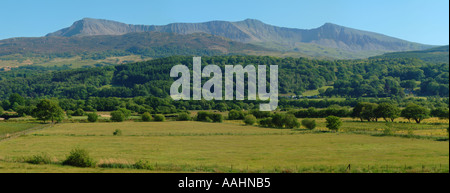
(183, 117)
(117, 132)
(235, 115)
(78, 112)
(333, 123)
(209, 117)
(278, 120)
(92, 117)
(216, 117)
(69, 113)
(117, 116)
(42, 158)
(146, 117)
(202, 115)
(260, 114)
(126, 112)
(290, 121)
(141, 164)
(266, 122)
(79, 158)
(250, 120)
(209, 120)
(159, 118)
(309, 123)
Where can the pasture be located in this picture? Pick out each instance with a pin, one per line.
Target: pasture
(190, 146)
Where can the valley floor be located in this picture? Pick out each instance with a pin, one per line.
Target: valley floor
(188, 146)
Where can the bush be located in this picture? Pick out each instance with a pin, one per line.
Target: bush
(146, 117)
(43, 158)
(117, 116)
(78, 112)
(333, 123)
(309, 123)
(92, 117)
(117, 132)
(126, 112)
(202, 115)
(235, 115)
(141, 164)
(278, 120)
(250, 120)
(209, 117)
(216, 117)
(79, 158)
(69, 113)
(159, 118)
(266, 122)
(260, 114)
(183, 117)
(290, 121)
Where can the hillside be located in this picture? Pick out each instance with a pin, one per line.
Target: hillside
(78, 51)
(344, 78)
(172, 44)
(435, 55)
(346, 42)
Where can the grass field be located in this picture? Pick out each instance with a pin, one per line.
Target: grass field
(225, 147)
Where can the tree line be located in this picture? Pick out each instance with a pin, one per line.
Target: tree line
(348, 78)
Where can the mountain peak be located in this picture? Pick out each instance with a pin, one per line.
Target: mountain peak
(329, 35)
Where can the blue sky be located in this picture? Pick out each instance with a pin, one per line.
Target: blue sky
(422, 21)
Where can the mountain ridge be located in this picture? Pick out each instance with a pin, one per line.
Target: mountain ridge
(254, 31)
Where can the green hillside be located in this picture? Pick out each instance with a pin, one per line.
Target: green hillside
(436, 55)
(349, 78)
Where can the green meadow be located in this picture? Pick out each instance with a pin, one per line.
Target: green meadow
(188, 146)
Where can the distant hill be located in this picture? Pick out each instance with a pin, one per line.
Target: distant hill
(146, 43)
(329, 40)
(438, 54)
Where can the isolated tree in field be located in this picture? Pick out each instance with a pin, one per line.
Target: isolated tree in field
(333, 123)
(309, 123)
(250, 120)
(146, 117)
(415, 112)
(117, 116)
(387, 111)
(92, 117)
(48, 110)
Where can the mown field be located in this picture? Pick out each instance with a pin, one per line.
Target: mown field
(190, 146)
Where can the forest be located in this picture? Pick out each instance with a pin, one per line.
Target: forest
(348, 78)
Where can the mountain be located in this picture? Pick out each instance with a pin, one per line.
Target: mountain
(170, 43)
(435, 55)
(346, 42)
